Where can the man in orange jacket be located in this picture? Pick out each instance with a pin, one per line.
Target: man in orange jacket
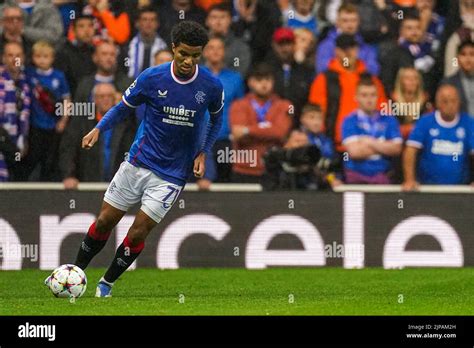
(335, 89)
(258, 121)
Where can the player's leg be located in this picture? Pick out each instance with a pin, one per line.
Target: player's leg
(130, 248)
(98, 234)
(158, 198)
(124, 191)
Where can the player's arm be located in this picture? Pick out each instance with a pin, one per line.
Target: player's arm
(132, 98)
(112, 117)
(216, 111)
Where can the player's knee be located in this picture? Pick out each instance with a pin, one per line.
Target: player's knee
(136, 235)
(103, 225)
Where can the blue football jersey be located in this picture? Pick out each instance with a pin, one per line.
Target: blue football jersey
(445, 149)
(48, 87)
(174, 125)
(379, 127)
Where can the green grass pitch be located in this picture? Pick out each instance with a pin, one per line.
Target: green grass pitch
(276, 291)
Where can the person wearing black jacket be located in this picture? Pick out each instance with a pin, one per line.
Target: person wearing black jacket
(105, 59)
(292, 80)
(99, 163)
(75, 58)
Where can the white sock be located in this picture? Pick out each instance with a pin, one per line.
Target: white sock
(106, 282)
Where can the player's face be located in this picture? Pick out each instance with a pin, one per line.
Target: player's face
(367, 98)
(285, 50)
(185, 58)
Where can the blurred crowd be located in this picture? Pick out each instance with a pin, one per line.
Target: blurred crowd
(319, 93)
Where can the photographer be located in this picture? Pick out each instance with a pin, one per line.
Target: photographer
(307, 160)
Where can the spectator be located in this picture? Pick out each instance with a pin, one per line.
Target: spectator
(75, 57)
(305, 47)
(347, 23)
(255, 21)
(174, 11)
(13, 24)
(111, 22)
(214, 54)
(15, 102)
(432, 24)
(49, 89)
(300, 15)
(105, 59)
(409, 91)
(292, 80)
(443, 141)
(42, 20)
(66, 8)
(99, 163)
(463, 33)
(162, 56)
(463, 80)
(371, 139)
(411, 50)
(145, 44)
(334, 89)
(258, 121)
(237, 52)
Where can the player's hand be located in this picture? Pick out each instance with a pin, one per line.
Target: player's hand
(410, 185)
(90, 139)
(200, 165)
(70, 183)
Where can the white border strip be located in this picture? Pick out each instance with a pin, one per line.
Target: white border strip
(102, 186)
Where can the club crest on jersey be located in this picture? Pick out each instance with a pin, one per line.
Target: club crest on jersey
(200, 97)
(434, 132)
(162, 94)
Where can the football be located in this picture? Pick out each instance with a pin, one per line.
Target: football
(67, 281)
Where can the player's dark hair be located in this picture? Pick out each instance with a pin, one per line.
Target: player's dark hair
(146, 9)
(190, 33)
(345, 41)
(223, 7)
(466, 43)
(260, 71)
